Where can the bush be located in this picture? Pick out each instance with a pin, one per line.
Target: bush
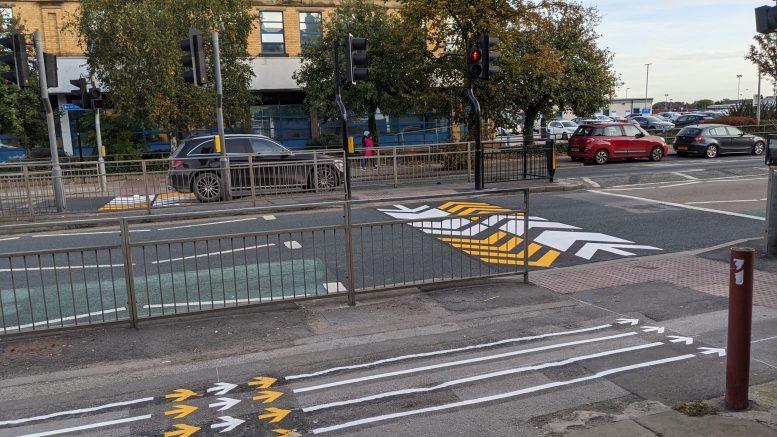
(736, 121)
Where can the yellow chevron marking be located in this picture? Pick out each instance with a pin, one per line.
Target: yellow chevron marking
(471, 211)
(502, 254)
(545, 261)
(447, 205)
(511, 244)
(472, 241)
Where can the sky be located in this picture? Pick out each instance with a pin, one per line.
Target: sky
(696, 47)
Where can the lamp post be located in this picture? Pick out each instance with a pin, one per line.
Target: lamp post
(647, 82)
(739, 84)
(666, 99)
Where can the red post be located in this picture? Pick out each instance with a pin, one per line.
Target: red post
(740, 320)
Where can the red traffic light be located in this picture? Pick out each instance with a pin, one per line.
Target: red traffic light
(475, 55)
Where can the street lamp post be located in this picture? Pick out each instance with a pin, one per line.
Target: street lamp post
(739, 84)
(647, 82)
(666, 99)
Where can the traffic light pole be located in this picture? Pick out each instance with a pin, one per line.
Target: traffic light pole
(100, 152)
(225, 175)
(478, 140)
(343, 118)
(56, 170)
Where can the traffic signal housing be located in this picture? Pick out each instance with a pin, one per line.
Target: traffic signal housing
(96, 98)
(51, 69)
(16, 60)
(79, 96)
(766, 19)
(355, 59)
(489, 56)
(474, 61)
(193, 59)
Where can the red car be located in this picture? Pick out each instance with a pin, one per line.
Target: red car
(601, 142)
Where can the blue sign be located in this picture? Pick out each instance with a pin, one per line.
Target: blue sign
(646, 111)
(71, 107)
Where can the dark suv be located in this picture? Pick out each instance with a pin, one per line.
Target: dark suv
(195, 167)
(711, 140)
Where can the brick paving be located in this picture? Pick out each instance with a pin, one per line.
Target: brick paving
(688, 271)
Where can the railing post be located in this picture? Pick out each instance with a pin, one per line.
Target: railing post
(129, 275)
(469, 162)
(396, 172)
(252, 179)
(349, 255)
(30, 206)
(145, 186)
(315, 171)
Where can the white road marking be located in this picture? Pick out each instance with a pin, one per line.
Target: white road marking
(79, 411)
(334, 287)
(9, 238)
(89, 426)
(480, 377)
(224, 403)
(680, 205)
(563, 240)
(706, 202)
(268, 217)
(681, 184)
(222, 388)
(207, 224)
(459, 362)
(590, 182)
(686, 176)
(589, 250)
(76, 266)
(447, 351)
(500, 396)
(221, 252)
(78, 234)
(228, 423)
(292, 244)
(63, 319)
(754, 341)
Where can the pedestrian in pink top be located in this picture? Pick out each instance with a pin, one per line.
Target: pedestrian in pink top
(369, 150)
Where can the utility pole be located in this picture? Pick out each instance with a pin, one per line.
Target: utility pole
(758, 99)
(56, 170)
(647, 82)
(226, 176)
(739, 84)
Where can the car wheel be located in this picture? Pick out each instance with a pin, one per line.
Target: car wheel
(327, 179)
(656, 154)
(207, 187)
(711, 152)
(601, 157)
(758, 148)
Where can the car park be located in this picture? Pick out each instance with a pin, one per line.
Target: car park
(712, 140)
(602, 142)
(195, 167)
(652, 124)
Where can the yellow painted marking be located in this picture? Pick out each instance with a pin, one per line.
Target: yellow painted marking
(180, 395)
(262, 382)
(267, 396)
(180, 411)
(447, 205)
(466, 209)
(287, 432)
(545, 261)
(511, 244)
(274, 415)
(487, 241)
(182, 430)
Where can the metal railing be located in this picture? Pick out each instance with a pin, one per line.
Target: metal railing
(136, 278)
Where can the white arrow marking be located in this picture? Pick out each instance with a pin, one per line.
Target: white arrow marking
(515, 226)
(403, 209)
(632, 322)
(228, 423)
(680, 339)
(225, 403)
(222, 388)
(563, 240)
(589, 250)
(656, 329)
(419, 213)
(713, 350)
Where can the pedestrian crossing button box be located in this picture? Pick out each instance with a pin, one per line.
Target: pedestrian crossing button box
(771, 150)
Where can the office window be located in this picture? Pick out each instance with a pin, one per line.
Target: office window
(271, 25)
(309, 27)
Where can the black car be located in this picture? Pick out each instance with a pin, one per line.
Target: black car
(711, 140)
(689, 119)
(195, 167)
(652, 124)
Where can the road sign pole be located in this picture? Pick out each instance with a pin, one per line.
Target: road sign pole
(226, 177)
(100, 153)
(56, 170)
(740, 320)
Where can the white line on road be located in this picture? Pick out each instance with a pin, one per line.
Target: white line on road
(207, 224)
(680, 205)
(9, 238)
(764, 339)
(292, 244)
(79, 411)
(89, 426)
(268, 217)
(706, 202)
(221, 252)
(459, 363)
(590, 182)
(445, 351)
(686, 176)
(480, 377)
(79, 234)
(63, 319)
(681, 184)
(500, 396)
(86, 266)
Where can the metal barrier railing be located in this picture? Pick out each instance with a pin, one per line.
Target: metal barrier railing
(138, 279)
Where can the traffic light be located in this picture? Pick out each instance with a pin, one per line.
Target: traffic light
(474, 61)
(766, 19)
(51, 69)
(194, 58)
(79, 96)
(16, 60)
(489, 56)
(355, 59)
(96, 98)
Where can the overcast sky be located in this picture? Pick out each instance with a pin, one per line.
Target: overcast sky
(697, 47)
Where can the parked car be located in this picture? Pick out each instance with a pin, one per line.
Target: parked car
(195, 167)
(689, 119)
(712, 140)
(670, 116)
(155, 150)
(561, 129)
(602, 142)
(652, 124)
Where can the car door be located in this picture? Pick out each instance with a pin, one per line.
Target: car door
(740, 143)
(725, 141)
(271, 163)
(633, 138)
(238, 150)
(620, 144)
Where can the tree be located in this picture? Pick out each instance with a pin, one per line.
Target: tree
(764, 55)
(398, 62)
(134, 52)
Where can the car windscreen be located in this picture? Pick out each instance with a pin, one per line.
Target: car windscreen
(689, 131)
(569, 124)
(589, 131)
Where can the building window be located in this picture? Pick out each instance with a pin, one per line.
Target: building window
(309, 27)
(272, 33)
(6, 16)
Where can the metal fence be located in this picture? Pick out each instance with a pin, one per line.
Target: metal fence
(135, 278)
(164, 184)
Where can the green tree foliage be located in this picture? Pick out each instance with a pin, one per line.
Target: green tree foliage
(133, 50)
(398, 60)
(764, 55)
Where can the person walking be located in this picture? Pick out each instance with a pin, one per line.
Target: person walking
(369, 151)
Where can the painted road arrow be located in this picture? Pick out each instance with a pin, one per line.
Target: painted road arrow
(262, 382)
(632, 322)
(274, 415)
(656, 329)
(182, 430)
(589, 250)
(267, 396)
(224, 403)
(222, 388)
(680, 339)
(180, 411)
(228, 423)
(713, 350)
(180, 395)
